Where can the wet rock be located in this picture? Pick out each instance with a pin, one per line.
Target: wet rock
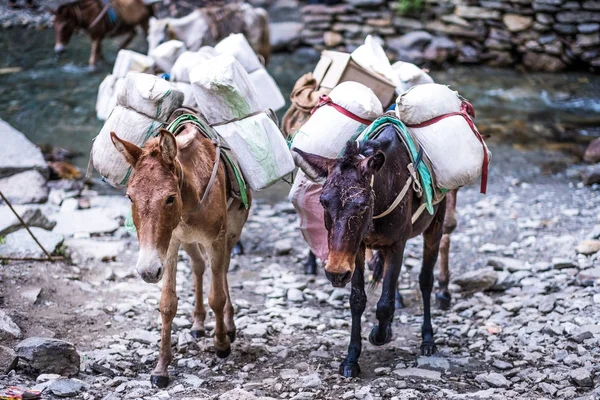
(8, 329)
(25, 187)
(92, 221)
(284, 35)
(283, 247)
(51, 356)
(66, 387)
(142, 336)
(543, 62)
(20, 244)
(592, 152)
(8, 360)
(17, 154)
(517, 23)
(237, 394)
(31, 216)
(582, 377)
(591, 175)
(479, 280)
(588, 247)
(493, 379)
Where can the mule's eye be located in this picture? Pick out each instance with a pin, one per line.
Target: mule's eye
(170, 199)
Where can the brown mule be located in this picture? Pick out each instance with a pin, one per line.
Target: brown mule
(362, 183)
(91, 16)
(168, 182)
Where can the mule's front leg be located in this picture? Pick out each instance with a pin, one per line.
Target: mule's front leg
(443, 297)
(96, 53)
(358, 300)
(198, 264)
(217, 298)
(168, 309)
(382, 332)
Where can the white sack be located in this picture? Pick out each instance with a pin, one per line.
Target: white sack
(327, 131)
(107, 96)
(237, 45)
(165, 54)
(259, 148)
(269, 94)
(424, 102)
(128, 125)
(150, 95)
(409, 75)
(223, 90)
(371, 56)
(188, 60)
(188, 94)
(128, 60)
(455, 153)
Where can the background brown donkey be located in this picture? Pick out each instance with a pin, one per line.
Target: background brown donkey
(362, 183)
(98, 21)
(170, 177)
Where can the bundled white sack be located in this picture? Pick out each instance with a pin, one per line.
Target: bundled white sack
(129, 125)
(107, 96)
(441, 122)
(259, 148)
(188, 94)
(165, 54)
(223, 90)
(371, 56)
(269, 94)
(150, 95)
(128, 60)
(409, 75)
(188, 60)
(237, 45)
(328, 130)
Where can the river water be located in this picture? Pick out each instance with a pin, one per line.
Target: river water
(52, 100)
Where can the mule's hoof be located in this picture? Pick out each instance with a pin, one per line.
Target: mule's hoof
(349, 370)
(310, 268)
(159, 381)
(231, 335)
(374, 338)
(224, 353)
(443, 300)
(428, 349)
(197, 334)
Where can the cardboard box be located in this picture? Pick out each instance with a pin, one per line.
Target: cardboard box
(335, 67)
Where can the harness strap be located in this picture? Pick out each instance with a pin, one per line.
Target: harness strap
(467, 112)
(325, 100)
(100, 16)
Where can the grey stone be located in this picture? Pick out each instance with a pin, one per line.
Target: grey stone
(50, 356)
(18, 154)
(307, 382)
(20, 244)
(8, 360)
(582, 377)
(92, 221)
(31, 294)
(548, 388)
(577, 16)
(435, 363)
(65, 387)
(193, 380)
(418, 373)
(412, 40)
(184, 341)
(32, 216)
(493, 379)
(85, 249)
(256, 330)
(588, 40)
(476, 12)
(478, 280)
(592, 274)
(588, 247)
(142, 336)
(24, 188)
(295, 295)
(565, 29)
(563, 263)
(237, 394)
(404, 23)
(590, 28)
(366, 3)
(502, 365)
(591, 175)
(283, 247)
(546, 304)
(516, 22)
(8, 329)
(339, 294)
(509, 264)
(284, 35)
(591, 5)
(543, 62)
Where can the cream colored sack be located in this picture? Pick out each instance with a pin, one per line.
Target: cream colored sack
(107, 96)
(424, 102)
(237, 45)
(269, 94)
(188, 60)
(188, 94)
(128, 60)
(166, 53)
(409, 75)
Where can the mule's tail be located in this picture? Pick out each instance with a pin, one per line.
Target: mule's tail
(265, 36)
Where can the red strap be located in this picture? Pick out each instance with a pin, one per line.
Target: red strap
(325, 100)
(466, 111)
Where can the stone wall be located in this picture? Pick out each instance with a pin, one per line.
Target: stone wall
(547, 35)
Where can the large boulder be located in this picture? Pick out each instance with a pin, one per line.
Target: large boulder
(25, 187)
(8, 360)
(20, 244)
(49, 356)
(8, 329)
(32, 216)
(17, 154)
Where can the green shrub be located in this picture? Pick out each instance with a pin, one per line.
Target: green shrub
(409, 6)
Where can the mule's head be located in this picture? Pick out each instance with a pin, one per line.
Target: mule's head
(347, 198)
(65, 24)
(155, 197)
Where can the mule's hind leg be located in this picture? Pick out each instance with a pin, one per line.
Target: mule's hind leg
(197, 260)
(443, 297)
(310, 265)
(219, 261)
(168, 309)
(431, 246)
(358, 301)
(127, 40)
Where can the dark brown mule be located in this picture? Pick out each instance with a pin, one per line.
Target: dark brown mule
(91, 16)
(362, 183)
(170, 177)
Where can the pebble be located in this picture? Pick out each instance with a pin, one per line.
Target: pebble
(66, 387)
(581, 377)
(295, 295)
(494, 379)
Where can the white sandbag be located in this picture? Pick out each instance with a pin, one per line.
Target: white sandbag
(165, 54)
(455, 152)
(188, 94)
(128, 60)
(150, 95)
(129, 125)
(409, 75)
(424, 102)
(269, 94)
(237, 45)
(259, 148)
(223, 90)
(328, 130)
(107, 96)
(188, 60)
(371, 56)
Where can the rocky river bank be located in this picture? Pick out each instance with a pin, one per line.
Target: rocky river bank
(523, 322)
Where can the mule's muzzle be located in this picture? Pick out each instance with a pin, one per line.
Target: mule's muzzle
(339, 280)
(152, 275)
(59, 48)
(149, 266)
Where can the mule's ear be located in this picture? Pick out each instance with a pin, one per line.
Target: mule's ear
(315, 167)
(130, 151)
(372, 164)
(168, 146)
